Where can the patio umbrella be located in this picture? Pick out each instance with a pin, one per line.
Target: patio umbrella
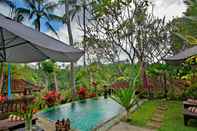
(181, 56)
(21, 44)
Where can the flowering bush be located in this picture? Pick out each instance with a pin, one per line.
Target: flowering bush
(82, 92)
(52, 97)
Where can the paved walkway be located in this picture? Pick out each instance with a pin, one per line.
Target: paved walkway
(122, 126)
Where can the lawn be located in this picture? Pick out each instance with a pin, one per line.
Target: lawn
(144, 113)
(173, 120)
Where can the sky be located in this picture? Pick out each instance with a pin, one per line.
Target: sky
(168, 8)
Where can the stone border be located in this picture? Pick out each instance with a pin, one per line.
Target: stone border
(116, 119)
(109, 123)
(45, 124)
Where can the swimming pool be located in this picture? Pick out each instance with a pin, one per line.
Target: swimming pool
(85, 115)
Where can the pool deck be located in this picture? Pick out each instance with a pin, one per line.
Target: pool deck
(123, 126)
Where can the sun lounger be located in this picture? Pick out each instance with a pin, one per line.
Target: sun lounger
(189, 115)
(6, 125)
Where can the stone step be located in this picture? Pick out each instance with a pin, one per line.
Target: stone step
(159, 111)
(163, 108)
(156, 119)
(159, 116)
(154, 125)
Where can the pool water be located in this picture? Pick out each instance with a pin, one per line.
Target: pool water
(84, 115)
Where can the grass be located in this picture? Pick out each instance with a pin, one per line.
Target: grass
(144, 113)
(173, 120)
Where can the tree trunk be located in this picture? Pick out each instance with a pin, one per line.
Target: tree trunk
(46, 81)
(84, 31)
(37, 24)
(55, 81)
(68, 23)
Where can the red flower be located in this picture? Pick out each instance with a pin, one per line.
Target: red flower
(52, 97)
(82, 92)
(2, 99)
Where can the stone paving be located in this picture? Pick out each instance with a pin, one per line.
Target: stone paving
(122, 126)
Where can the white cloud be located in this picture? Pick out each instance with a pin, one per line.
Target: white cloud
(63, 35)
(169, 8)
(4, 10)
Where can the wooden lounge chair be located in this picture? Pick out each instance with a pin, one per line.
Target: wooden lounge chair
(187, 104)
(6, 125)
(13, 105)
(188, 115)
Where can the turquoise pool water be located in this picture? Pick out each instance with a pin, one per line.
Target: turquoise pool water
(84, 115)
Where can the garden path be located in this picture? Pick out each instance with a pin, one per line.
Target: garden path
(122, 126)
(158, 116)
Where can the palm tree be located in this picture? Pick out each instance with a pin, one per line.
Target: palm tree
(39, 10)
(190, 16)
(71, 8)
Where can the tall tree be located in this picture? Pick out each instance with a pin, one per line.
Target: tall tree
(186, 27)
(40, 12)
(130, 28)
(71, 8)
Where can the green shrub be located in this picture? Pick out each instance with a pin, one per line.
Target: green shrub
(191, 92)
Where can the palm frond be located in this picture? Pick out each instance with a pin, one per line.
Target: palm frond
(50, 7)
(23, 11)
(50, 27)
(180, 36)
(192, 18)
(74, 11)
(31, 15)
(55, 18)
(30, 3)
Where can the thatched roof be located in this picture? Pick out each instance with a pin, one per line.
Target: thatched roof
(20, 85)
(182, 56)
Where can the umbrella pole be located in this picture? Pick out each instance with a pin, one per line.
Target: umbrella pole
(2, 77)
(9, 81)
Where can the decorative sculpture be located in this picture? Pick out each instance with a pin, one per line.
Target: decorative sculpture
(62, 125)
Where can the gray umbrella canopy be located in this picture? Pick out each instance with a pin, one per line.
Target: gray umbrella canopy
(182, 56)
(21, 44)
